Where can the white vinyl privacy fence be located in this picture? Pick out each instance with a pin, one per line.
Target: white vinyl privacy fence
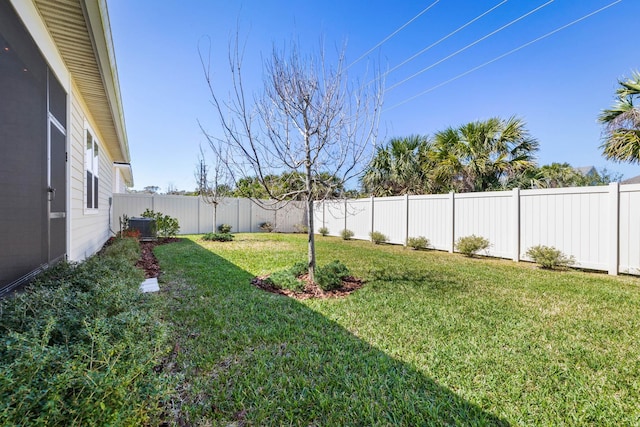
(599, 226)
(195, 216)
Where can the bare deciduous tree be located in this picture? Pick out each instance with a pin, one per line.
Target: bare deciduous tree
(309, 119)
(212, 190)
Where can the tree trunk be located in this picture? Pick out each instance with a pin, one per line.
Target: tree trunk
(312, 241)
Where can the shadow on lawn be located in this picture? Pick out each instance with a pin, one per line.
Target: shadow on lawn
(251, 357)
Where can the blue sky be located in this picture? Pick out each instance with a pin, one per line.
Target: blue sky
(558, 85)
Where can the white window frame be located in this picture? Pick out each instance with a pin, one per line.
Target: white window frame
(91, 165)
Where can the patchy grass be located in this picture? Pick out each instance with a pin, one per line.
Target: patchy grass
(433, 338)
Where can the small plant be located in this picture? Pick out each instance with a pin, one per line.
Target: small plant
(300, 228)
(471, 245)
(549, 257)
(418, 243)
(165, 226)
(266, 227)
(224, 228)
(346, 234)
(284, 279)
(323, 231)
(218, 237)
(299, 268)
(330, 276)
(377, 237)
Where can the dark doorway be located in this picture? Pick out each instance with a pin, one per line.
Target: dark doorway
(33, 156)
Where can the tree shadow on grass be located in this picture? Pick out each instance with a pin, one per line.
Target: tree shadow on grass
(253, 358)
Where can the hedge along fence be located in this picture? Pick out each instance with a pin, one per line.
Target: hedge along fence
(196, 216)
(598, 226)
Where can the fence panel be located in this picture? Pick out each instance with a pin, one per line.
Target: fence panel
(334, 216)
(318, 216)
(288, 218)
(389, 218)
(132, 205)
(183, 208)
(359, 218)
(573, 220)
(630, 229)
(430, 217)
(227, 213)
(195, 216)
(487, 215)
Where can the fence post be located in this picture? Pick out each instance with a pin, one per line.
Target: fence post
(515, 203)
(324, 224)
(452, 224)
(371, 230)
(406, 217)
(345, 213)
(614, 228)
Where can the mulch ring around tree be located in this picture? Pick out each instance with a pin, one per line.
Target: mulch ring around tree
(148, 261)
(311, 290)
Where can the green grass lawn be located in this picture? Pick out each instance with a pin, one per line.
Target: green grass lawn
(432, 339)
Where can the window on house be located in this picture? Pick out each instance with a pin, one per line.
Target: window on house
(93, 171)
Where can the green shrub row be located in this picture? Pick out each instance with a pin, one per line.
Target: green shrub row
(218, 237)
(79, 345)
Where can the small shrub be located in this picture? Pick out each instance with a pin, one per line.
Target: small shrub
(418, 243)
(346, 234)
(218, 237)
(300, 228)
(224, 228)
(79, 345)
(323, 231)
(299, 268)
(377, 237)
(330, 276)
(165, 226)
(549, 257)
(266, 227)
(471, 245)
(284, 279)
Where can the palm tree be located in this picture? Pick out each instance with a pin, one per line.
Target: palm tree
(397, 167)
(483, 155)
(622, 123)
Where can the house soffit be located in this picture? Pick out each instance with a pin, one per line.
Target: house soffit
(80, 30)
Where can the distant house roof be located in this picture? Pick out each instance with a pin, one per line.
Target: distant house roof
(586, 170)
(634, 180)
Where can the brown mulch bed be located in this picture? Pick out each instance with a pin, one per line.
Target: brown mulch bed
(148, 261)
(311, 290)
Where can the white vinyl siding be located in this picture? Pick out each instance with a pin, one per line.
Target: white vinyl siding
(88, 231)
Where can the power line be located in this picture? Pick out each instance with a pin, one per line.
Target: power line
(470, 45)
(444, 38)
(504, 55)
(393, 34)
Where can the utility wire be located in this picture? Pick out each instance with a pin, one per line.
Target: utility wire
(504, 55)
(442, 39)
(470, 45)
(393, 34)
